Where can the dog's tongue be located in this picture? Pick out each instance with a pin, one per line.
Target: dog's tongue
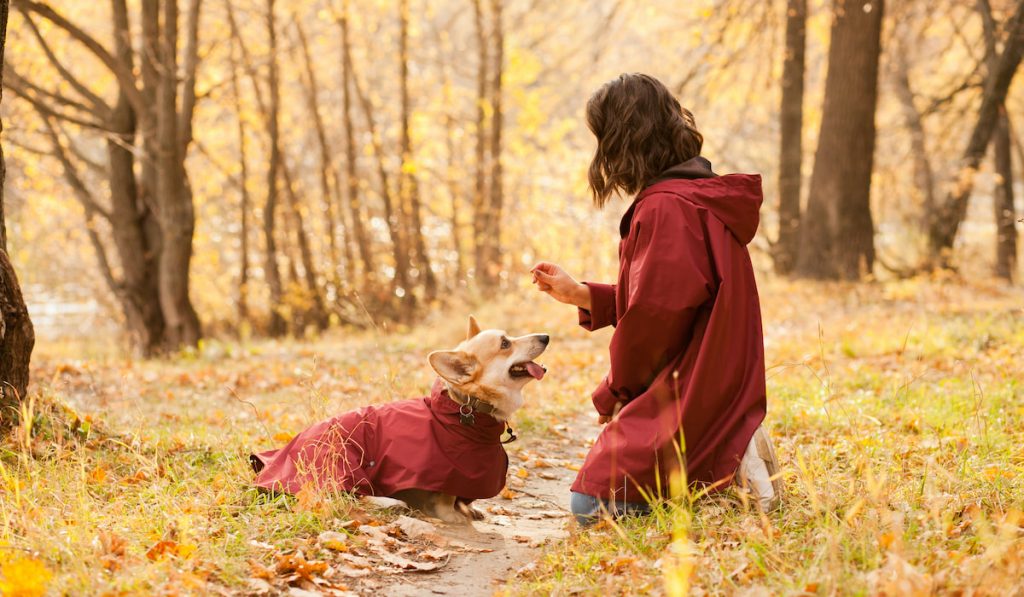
(535, 370)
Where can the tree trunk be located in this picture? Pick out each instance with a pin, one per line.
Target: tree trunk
(1005, 211)
(174, 197)
(836, 232)
(452, 177)
(495, 206)
(355, 208)
(133, 224)
(946, 219)
(1002, 199)
(401, 280)
(409, 189)
(317, 311)
(151, 212)
(328, 177)
(480, 200)
(924, 178)
(791, 140)
(242, 299)
(273, 274)
(17, 336)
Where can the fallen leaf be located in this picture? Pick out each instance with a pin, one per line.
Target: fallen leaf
(161, 549)
(24, 577)
(384, 502)
(97, 475)
(407, 564)
(112, 550)
(414, 527)
(899, 577)
(138, 477)
(352, 572)
(621, 564)
(467, 548)
(374, 535)
(334, 540)
(259, 586)
(261, 544)
(260, 571)
(296, 564)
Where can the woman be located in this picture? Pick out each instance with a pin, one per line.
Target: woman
(686, 388)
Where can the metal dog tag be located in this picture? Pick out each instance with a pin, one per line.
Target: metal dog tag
(466, 415)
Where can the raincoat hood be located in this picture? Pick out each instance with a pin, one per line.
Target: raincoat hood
(735, 199)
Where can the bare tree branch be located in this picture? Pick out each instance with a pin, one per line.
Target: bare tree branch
(14, 84)
(188, 96)
(124, 75)
(99, 105)
(82, 193)
(9, 72)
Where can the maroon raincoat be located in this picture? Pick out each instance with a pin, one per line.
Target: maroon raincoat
(379, 450)
(687, 355)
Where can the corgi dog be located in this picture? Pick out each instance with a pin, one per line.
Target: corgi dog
(436, 453)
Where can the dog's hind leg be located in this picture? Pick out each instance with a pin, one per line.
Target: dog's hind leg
(467, 509)
(433, 504)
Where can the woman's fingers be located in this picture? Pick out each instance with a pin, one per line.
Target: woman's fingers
(542, 280)
(544, 267)
(553, 280)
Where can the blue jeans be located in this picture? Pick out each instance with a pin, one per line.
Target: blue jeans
(587, 509)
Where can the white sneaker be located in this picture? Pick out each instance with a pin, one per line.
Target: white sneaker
(759, 471)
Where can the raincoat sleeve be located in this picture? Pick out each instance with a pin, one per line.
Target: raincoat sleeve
(669, 278)
(602, 307)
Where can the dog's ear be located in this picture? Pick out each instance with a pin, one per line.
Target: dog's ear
(454, 366)
(474, 328)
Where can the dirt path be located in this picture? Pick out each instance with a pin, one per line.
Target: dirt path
(540, 472)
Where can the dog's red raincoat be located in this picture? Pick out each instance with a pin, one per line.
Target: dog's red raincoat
(378, 450)
(687, 355)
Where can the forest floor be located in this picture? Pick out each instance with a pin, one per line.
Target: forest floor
(897, 410)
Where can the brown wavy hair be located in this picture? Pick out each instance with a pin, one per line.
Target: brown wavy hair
(641, 131)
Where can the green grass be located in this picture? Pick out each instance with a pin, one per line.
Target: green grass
(900, 425)
(897, 410)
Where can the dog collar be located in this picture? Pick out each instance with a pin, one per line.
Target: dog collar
(469, 405)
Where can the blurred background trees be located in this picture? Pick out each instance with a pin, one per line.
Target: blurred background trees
(253, 166)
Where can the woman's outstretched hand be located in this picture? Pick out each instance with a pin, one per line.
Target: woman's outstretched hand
(552, 279)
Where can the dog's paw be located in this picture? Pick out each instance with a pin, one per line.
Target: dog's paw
(470, 512)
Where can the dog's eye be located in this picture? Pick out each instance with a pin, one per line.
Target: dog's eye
(506, 344)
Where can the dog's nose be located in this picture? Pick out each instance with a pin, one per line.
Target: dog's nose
(544, 338)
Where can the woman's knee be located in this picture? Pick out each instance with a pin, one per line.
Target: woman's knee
(586, 508)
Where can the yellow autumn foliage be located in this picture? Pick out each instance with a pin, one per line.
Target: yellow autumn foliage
(23, 576)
